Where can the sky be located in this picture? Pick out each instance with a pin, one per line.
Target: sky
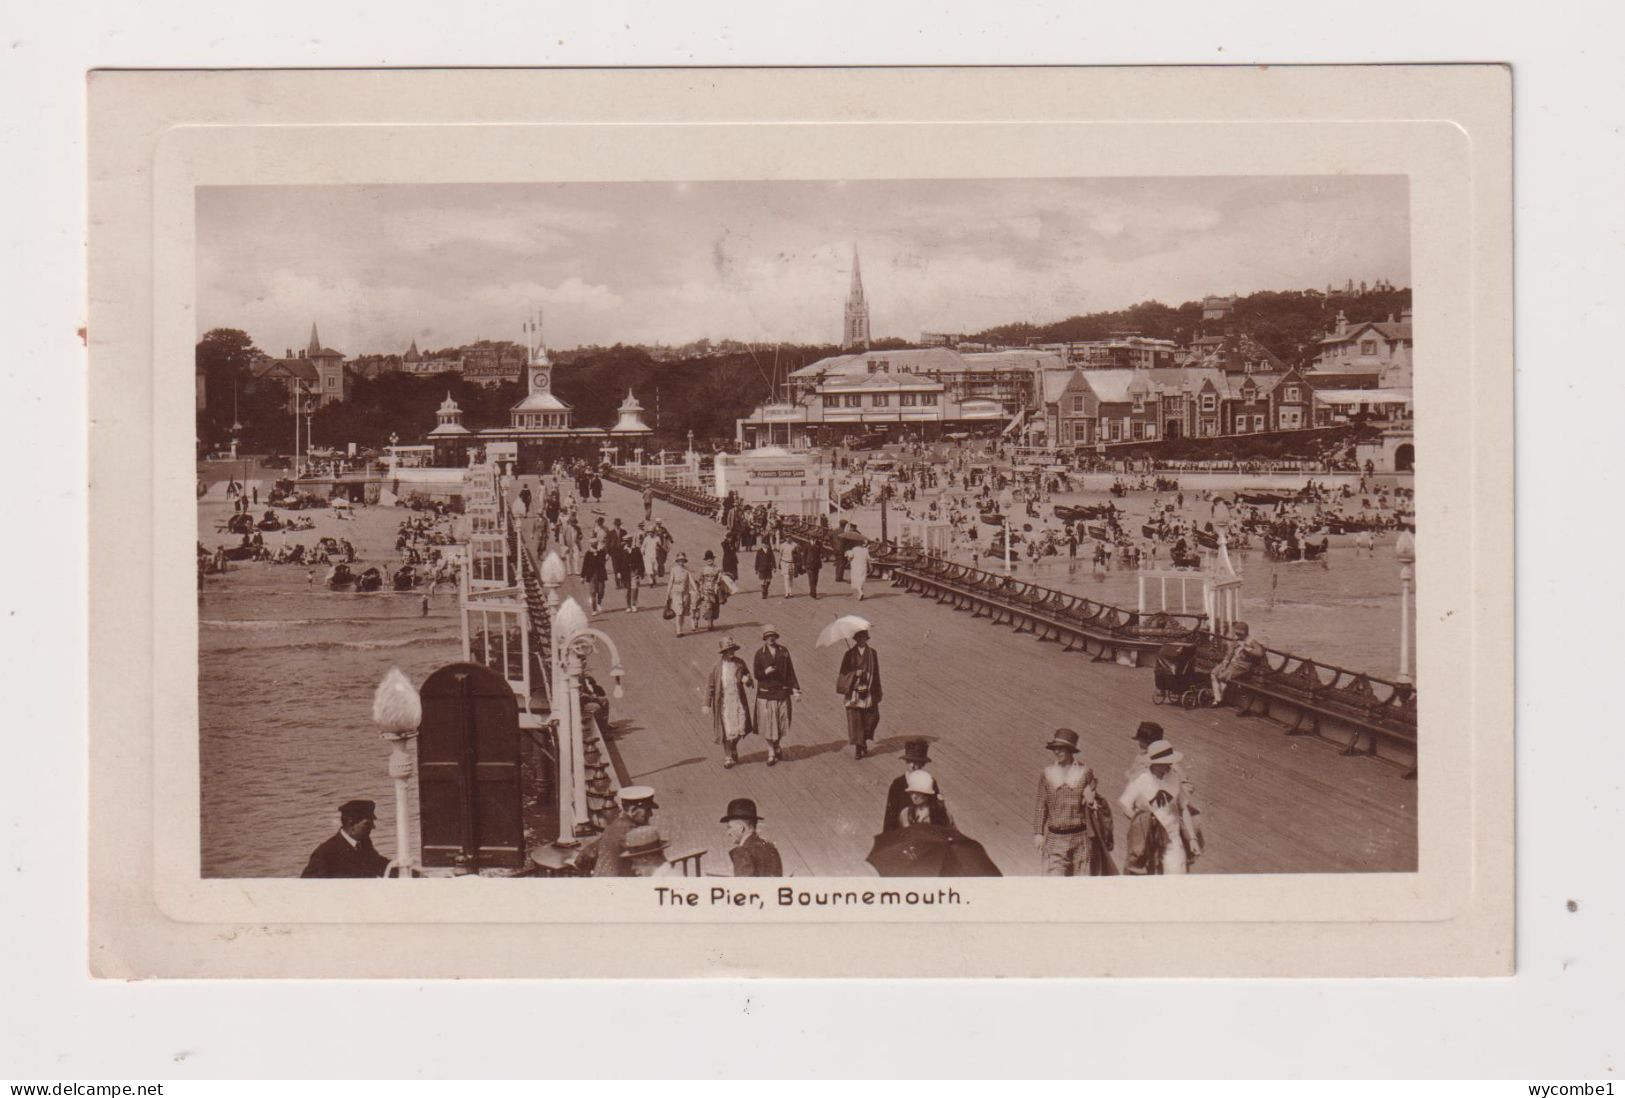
(376, 267)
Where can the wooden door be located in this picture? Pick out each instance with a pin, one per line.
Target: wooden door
(468, 770)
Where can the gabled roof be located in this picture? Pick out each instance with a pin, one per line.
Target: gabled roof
(1393, 330)
(1057, 382)
(300, 368)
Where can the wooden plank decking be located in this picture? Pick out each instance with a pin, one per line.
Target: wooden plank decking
(986, 699)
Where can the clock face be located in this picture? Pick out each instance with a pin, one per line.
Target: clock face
(539, 381)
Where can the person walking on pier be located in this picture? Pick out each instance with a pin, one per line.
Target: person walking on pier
(709, 593)
(787, 563)
(859, 684)
(649, 545)
(812, 562)
(727, 700)
(916, 754)
(1066, 791)
(680, 593)
(839, 543)
(628, 561)
(595, 570)
(777, 691)
(349, 852)
(648, 503)
(764, 567)
(1162, 836)
(570, 542)
(752, 855)
(730, 556)
(858, 558)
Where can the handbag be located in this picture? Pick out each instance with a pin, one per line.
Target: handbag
(668, 613)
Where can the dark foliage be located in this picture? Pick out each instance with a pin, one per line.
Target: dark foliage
(1290, 323)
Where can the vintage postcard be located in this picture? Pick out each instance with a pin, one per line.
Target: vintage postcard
(696, 523)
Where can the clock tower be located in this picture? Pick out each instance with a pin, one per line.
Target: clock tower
(539, 409)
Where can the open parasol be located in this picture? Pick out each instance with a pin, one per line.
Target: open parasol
(926, 850)
(842, 629)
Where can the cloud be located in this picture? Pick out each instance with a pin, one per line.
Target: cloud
(662, 262)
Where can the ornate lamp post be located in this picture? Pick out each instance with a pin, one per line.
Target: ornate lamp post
(1405, 552)
(397, 710)
(573, 641)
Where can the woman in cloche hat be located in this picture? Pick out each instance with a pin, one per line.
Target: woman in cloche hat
(1162, 836)
(727, 700)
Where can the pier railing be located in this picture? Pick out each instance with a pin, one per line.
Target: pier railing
(1367, 715)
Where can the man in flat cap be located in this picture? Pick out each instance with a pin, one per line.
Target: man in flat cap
(349, 852)
(753, 856)
(637, 809)
(777, 689)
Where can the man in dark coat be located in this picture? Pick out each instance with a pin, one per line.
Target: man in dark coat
(348, 852)
(752, 855)
(812, 562)
(915, 757)
(859, 684)
(765, 564)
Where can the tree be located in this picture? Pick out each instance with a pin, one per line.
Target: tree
(224, 356)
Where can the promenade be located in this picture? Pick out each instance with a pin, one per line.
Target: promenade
(986, 700)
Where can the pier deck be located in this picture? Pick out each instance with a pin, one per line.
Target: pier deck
(986, 699)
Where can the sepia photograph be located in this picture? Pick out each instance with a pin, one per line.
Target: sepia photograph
(921, 528)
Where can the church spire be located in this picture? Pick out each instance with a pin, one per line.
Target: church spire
(315, 343)
(855, 333)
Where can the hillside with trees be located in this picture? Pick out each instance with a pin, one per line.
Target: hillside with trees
(1290, 323)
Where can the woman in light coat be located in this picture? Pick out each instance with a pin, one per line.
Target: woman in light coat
(680, 591)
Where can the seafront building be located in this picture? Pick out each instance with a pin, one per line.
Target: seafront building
(1125, 389)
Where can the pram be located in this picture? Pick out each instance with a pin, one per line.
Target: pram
(1178, 682)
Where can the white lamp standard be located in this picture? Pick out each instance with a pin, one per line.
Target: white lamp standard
(397, 711)
(1405, 552)
(574, 640)
(553, 575)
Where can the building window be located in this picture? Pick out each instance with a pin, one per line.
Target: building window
(1251, 395)
(907, 400)
(854, 400)
(332, 382)
(1077, 405)
(1258, 423)
(1137, 430)
(1209, 402)
(1292, 394)
(882, 400)
(1368, 346)
(928, 400)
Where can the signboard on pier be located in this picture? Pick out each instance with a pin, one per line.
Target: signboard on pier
(793, 483)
